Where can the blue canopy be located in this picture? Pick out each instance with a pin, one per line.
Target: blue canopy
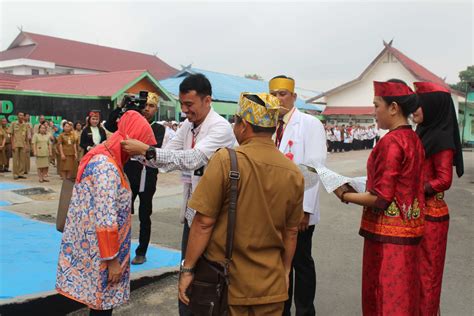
(227, 87)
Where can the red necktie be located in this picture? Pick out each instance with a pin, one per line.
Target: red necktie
(279, 132)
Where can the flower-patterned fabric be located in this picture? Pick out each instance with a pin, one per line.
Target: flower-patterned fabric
(97, 229)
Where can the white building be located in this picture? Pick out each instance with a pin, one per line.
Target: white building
(352, 102)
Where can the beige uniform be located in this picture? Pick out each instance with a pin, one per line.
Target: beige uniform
(68, 142)
(41, 144)
(27, 154)
(3, 149)
(19, 134)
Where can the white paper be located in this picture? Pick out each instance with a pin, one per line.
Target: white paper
(332, 180)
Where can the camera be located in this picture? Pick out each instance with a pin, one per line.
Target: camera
(129, 102)
(134, 102)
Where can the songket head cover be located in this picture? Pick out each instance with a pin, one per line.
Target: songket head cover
(94, 113)
(282, 84)
(259, 109)
(391, 89)
(428, 87)
(152, 98)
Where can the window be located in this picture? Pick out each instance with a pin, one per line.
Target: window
(8, 72)
(35, 72)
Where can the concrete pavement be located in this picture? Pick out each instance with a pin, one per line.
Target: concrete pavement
(337, 247)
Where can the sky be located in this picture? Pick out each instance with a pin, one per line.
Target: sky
(319, 44)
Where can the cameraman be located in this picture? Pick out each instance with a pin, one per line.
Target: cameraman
(135, 170)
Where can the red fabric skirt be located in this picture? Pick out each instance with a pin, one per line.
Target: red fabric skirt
(390, 279)
(432, 255)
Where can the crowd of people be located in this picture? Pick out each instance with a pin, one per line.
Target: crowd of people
(352, 137)
(60, 146)
(267, 262)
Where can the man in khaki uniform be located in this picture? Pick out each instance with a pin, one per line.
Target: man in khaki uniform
(8, 144)
(27, 154)
(19, 139)
(269, 209)
(3, 149)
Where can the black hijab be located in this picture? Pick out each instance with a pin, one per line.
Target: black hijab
(439, 130)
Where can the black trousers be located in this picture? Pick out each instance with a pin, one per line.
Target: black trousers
(145, 210)
(304, 289)
(183, 308)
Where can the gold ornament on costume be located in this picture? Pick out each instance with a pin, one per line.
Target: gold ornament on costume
(152, 98)
(282, 83)
(258, 114)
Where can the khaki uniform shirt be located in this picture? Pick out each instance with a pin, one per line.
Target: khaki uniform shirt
(271, 189)
(41, 141)
(69, 142)
(19, 133)
(3, 135)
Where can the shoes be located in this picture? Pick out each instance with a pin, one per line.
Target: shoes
(21, 177)
(139, 259)
(45, 180)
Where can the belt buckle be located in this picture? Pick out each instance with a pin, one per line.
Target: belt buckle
(234, 175)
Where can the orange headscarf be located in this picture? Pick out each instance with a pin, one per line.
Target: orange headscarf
(131, 125)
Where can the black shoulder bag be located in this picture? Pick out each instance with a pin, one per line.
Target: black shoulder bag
(208, 291)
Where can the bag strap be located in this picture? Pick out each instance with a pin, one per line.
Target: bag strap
(234, 176)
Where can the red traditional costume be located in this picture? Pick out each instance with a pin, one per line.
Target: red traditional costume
(440, 136)
(394, 228)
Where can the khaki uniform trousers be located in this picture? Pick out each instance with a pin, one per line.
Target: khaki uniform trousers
(26, 157)
(18, 162)
(273, 309)
(3, 159)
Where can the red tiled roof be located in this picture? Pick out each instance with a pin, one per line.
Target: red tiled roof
(75, 54)
(8, 81)
(417, 70)
(17, 52)
(101, 84)
(348, 110)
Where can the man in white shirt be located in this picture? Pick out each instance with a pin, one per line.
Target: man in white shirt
(301, 138)
(199, 137)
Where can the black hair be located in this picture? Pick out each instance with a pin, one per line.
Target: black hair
(283, 77)
(197, 82)
(408, 103)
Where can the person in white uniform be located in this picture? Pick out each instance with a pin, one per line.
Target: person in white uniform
(200, 136)
(301, 137)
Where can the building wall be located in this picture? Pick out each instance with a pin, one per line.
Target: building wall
(362, 93)
(54, 108)
(466, 123)
(24, 66)
(143, 84)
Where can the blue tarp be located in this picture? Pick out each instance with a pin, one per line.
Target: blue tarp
(29, 252)
(228, 87)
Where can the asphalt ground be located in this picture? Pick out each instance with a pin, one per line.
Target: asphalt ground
(337, 247)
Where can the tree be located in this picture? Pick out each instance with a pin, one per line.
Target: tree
(254, 77)
(465, 76)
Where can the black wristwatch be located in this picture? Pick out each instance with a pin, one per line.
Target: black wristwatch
(150, 153)
(182, 269)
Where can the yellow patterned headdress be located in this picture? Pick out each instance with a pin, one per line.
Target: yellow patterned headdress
(152, 98)
(282, 83)
(264, 113)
